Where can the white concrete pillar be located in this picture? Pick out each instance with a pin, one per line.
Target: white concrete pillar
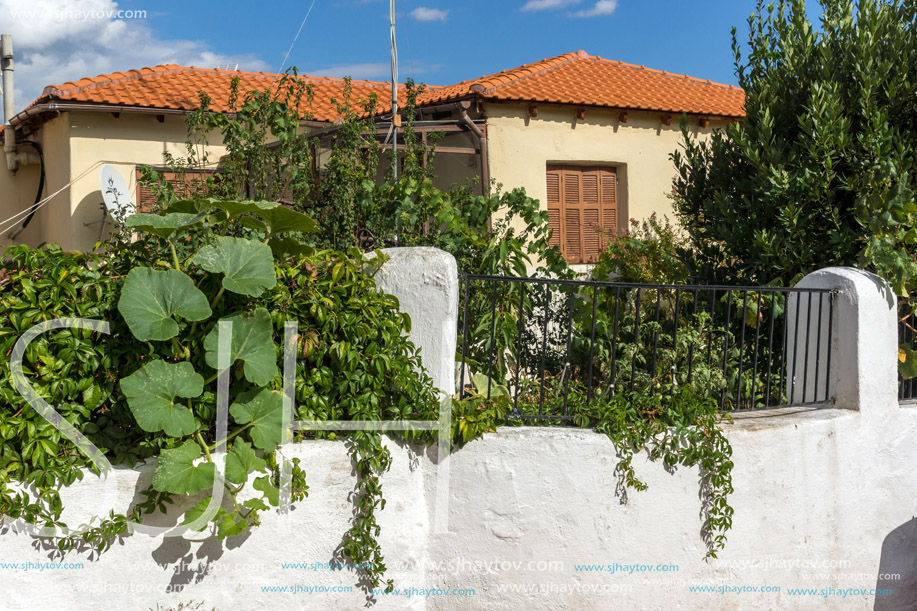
(425, 281)
(863, 344)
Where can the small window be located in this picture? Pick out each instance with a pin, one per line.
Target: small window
(582, 210)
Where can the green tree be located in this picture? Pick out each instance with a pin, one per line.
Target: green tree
(822, 170)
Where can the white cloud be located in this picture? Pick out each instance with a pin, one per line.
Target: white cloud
(601, 8)
(56, 41)
(423, 13)
(547, 5)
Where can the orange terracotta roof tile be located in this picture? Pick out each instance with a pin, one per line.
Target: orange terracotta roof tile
(177, 87)
(573, 78)
(588, 80)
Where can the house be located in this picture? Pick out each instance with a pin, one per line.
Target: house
(588, 137)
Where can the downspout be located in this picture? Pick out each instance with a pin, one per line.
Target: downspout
(482, 138)
(41, 187)
(14, 157)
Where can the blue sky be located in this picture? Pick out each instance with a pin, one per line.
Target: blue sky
(473, 38)
(439, 42)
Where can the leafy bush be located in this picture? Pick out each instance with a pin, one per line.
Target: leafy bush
(150, 388)
(823, 169)
(650, 252)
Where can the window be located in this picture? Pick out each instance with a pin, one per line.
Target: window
(582, 210)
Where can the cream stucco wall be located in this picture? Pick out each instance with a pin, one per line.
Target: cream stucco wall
(521, 147)
(126, 143)
(75, 145)
(18, 190)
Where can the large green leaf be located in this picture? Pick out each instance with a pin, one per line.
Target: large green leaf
(177, 473)
(252, 343)
(162, 225)
(248, 266)
(263, 410)
(286, 246)
(153, 393)
(278, 217)
(282, 219)
(150, 299)
(241, 461)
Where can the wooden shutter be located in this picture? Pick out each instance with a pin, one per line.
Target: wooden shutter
(183, 184)
(554, 179)
(582, 210)
(609, 204)
(573, 216)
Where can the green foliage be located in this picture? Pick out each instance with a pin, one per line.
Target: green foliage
(154, 393)
(822, 171)
(651, 252)
(69, 368)
(166, 295)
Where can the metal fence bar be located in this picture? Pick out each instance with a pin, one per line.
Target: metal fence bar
(595, 295)
(567, 373)
(490, 346)
(464, 340)
(518, 345)
(770, 350)
(544, 343)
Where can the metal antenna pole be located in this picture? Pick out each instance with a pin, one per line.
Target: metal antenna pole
(395, 120)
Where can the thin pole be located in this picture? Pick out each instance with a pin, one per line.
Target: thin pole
(394, 91)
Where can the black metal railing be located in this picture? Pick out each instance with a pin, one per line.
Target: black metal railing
(545, 343)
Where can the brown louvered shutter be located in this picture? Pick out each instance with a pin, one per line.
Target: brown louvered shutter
(609, 199)
(183, 184)
(582, 210)
(573, 216)
(554, 180)
(592, 213)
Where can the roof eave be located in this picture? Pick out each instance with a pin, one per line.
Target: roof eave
(41, 112)
(496, 100)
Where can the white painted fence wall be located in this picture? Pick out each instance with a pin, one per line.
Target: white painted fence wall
(824, 499)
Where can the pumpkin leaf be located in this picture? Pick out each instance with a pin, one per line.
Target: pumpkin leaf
(162, 225)
(263, 410)
(248, 266)
(282, 220)
(252, 343)
(270, 492)
(241, 461)
(177, 473)
(230, 526)
(152, 394)
(150, 299)
(195, 513)
(286, 246)
(256, 504)
(278, 217)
